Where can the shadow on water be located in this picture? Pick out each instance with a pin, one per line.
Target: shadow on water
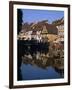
(37, 54)
(19, 53)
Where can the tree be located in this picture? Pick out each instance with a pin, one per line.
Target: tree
(19, 20)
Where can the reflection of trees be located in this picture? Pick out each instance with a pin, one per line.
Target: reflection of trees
(59, 66)
(60, 71)
(19, 53)
(33, 53)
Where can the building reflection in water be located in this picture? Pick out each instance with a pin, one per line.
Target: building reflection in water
(39, 57)
(43, 61)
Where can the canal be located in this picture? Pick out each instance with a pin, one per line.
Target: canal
(34, 62)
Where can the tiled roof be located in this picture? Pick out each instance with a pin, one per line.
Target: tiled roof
(58, 22)
(39, 27)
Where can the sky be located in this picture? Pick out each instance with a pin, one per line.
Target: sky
(31, 15)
